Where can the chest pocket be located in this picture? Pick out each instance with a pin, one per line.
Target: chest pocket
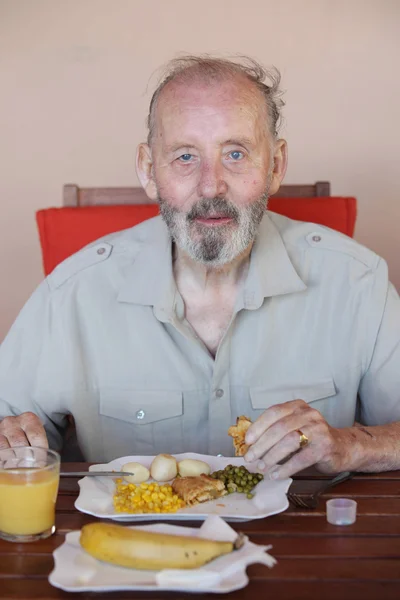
(142, 421)
(319, 393)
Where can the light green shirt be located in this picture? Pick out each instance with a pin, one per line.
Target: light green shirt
(104, 338)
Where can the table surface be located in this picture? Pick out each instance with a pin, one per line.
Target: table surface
(316, 560)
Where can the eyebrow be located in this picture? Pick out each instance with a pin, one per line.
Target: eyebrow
(178, 146)
(239, 141)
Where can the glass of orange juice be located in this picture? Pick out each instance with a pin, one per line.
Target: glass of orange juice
(29, 480)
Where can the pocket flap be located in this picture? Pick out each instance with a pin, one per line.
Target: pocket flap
(140, 407)
(264, 397)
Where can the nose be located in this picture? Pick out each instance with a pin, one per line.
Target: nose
(212, 183)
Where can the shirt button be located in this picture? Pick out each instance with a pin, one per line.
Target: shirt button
(316, 238)
(140, 414)
(219, 393)
(101, 251)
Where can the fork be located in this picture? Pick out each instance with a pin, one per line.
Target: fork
(311, 500)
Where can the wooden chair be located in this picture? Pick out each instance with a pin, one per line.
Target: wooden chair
(89, 214)
(76, 196)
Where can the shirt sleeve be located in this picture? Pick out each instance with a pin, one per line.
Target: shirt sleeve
(22, 357)
(380, 385)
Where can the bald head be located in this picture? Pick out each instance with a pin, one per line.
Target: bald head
(198, 72)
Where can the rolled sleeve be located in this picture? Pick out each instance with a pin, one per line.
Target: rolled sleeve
(21, 355)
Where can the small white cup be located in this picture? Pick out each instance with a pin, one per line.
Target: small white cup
(341, 511)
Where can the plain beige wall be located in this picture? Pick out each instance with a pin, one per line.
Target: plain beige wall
(73, 101)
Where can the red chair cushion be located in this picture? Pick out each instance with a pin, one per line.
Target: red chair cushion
(336, 212)
(63, 231)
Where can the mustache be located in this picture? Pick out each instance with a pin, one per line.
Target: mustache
(210, 207)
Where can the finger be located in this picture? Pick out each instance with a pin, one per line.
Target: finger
(11, 429)
(271, 416)
(12, 460)
(277, 432)
(3, 442)
(301, 460)
(36, 436)
(34, 430)
(281, 451)
(41, 457)
(16, 436)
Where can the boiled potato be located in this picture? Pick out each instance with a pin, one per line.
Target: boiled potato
(193, 468)
(164, 467)
(140, 472)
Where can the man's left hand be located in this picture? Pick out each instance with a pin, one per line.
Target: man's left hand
(276, 434)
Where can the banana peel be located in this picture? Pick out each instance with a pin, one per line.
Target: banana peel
(148, 550)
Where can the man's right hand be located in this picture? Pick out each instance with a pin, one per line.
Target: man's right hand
(24, 430)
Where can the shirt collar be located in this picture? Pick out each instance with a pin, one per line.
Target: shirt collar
(149, 280)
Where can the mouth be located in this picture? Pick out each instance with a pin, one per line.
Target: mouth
(214, 221)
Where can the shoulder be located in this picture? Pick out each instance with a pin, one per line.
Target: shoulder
(333, 265)
(323, 242)
(105, 253)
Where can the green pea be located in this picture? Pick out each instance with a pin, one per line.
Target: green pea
(250, 496)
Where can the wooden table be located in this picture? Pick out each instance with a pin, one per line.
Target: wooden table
(316, 560)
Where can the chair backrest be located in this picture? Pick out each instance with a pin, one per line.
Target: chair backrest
(64, 231)
(76, 196)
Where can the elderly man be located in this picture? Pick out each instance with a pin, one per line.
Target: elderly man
(155, 339)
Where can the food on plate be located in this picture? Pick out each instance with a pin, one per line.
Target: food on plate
(145, 498)
(164, 467)
(139, 549)
(238, 432)
(238, 479)
(194, 490)
(190, 467)
(192, 485)
(140, 472)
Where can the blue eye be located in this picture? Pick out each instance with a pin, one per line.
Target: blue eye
(185, 157)
(236, 155)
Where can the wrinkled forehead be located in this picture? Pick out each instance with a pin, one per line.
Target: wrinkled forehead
(235, 103)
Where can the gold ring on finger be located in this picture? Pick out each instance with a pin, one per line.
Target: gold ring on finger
(303, 441)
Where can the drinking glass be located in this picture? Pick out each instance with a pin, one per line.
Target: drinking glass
(29, 479)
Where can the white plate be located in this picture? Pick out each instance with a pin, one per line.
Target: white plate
(96, 495)
(76, 571)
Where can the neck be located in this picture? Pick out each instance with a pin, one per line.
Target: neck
(204, 277)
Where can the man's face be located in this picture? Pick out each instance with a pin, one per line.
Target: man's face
(211, 164)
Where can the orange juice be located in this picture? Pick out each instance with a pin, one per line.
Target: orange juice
(27, 500)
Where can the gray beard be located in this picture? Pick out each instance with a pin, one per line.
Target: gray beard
(219, 245)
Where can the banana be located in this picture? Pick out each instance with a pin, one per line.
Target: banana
(138, 549)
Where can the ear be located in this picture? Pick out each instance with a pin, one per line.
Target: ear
(279, 166)
(145, 171)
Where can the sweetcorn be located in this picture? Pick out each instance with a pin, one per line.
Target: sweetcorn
(145, 498)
